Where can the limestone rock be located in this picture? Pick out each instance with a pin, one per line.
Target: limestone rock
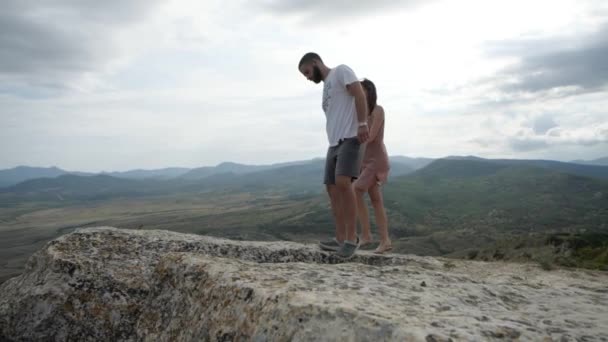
(108, 284)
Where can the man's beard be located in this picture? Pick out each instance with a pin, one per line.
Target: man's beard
(317, 77)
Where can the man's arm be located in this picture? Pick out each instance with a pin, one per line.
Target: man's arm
(356, 90)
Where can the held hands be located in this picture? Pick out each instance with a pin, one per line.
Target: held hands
(363, 134)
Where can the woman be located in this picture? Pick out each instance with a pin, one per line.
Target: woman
(374, 173)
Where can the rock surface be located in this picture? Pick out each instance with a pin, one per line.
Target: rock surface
(108, 284)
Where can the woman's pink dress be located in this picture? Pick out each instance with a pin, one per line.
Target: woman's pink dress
(375, 165)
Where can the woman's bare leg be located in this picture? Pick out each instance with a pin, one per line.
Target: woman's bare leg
(381, 219)
(363, 215)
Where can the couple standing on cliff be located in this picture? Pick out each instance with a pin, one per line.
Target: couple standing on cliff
(355, 130)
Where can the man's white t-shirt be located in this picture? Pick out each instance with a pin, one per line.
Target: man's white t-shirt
(339, 105)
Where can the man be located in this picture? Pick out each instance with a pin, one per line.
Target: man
(345, 109)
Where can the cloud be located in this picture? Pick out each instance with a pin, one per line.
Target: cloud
(335, 10)
(45, 44)
(559, 66)
(119, 131)
(556, 128)
(554, 140)
(187, 82)
(543, 124)
(529, 140)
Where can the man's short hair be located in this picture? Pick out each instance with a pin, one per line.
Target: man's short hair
(309, 57)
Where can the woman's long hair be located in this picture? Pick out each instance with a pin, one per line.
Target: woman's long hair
(370, 88)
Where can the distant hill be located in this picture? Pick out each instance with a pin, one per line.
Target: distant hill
(459, 206)
(226, 170)
(599, 161)
(447, 192)
(458, 168)
(478, 193)
(399, 169)
(467, 202)
(291, 177)
(413, 163)
(295, 177)
(235, 168)
(73, 187)
(595, 171)
(400, 165)
(228, 167)
(21, 173)
(166, 173)
(483, 210)
(478, 208)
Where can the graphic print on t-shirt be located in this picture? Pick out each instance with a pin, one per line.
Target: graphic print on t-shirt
(326, 97)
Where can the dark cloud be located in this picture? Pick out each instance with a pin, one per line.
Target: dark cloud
(564, 65)
(543, 124)
(43, 43)
(28, 46)
(338, 9)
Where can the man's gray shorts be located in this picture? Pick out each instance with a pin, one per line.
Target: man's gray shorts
(343, 159)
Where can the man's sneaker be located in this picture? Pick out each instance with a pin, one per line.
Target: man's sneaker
(347, 250)
(330, 245)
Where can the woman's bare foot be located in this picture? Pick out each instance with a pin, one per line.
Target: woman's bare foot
(383, 247)
(365, 240)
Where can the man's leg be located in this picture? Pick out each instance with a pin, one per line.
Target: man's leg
(348, 203)
(334, 199)
(348, 167)
(336, 209)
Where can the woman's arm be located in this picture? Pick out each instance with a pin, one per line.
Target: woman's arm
(377, 120)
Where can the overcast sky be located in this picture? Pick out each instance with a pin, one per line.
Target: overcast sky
(120, 84)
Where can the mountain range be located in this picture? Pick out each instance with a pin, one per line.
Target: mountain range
(399, 165)
(295, 178)
(13, 176)
(456, 206)
(599, 161)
